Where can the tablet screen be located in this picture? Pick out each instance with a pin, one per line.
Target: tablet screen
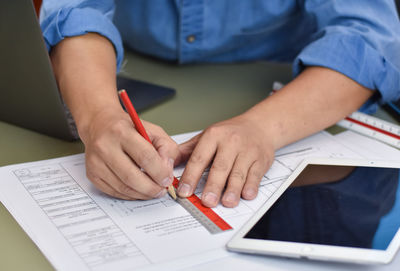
(336, 205)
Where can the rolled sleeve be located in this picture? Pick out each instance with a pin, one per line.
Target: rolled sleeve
(67, 21)
(357, 40)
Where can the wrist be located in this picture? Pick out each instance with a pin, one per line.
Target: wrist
(89, 119)
(269, 125)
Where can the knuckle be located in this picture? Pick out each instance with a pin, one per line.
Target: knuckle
(256, 151)
(154, 192)
(172, 145)
(168, 145)
(172, 150)
(100, 146)
(118, 128)
(189, 178)
(215, 186)
(257, 174)
(220, 165)
(267, 158)
(196, 158)
(91, 177)
(104, 189)
(92, 164)
(237, 175)
(125, 190)
(162, 141)
(145, 158)
(213, 130)
(235, 138)
(129, 179)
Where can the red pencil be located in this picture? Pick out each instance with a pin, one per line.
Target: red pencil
(139, 126)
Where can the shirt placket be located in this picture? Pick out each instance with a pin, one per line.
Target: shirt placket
(191, 30)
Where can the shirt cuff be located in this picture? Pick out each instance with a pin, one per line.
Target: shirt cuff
(69, 22)
(352, 56)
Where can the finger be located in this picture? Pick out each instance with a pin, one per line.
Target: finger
(167, 149)
(146, 157)
(186, 149)
(116, 184)
(254, 176)
(197, 163)
(126, 171)
(104, 179)
(163, 143)
(107, 189)
(237, 179)
(103, 186)
(219, 172)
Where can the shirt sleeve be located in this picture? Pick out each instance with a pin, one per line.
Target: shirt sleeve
(358, 38)
(67, 18)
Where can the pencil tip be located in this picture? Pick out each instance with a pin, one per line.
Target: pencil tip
(171, 192)
(120, 91)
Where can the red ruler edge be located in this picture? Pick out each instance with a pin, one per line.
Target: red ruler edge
(208, 212)
(372, 127)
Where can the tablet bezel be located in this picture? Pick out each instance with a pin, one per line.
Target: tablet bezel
(314, 251)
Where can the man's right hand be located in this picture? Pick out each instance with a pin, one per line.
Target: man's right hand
(121, 163)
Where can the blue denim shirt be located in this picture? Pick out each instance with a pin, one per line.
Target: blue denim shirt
(360, 39)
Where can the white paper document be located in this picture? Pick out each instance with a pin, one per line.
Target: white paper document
(366, 147)
(79, 228)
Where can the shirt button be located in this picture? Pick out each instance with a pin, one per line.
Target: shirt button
(191, 38)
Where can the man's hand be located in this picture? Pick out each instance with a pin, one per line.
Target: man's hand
(121, 163)
(240, 150)
(239, 155)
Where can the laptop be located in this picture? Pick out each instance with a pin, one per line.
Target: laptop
(29, 96)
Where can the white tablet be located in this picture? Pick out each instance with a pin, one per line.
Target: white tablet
(329, 209)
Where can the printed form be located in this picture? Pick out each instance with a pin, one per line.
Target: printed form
(79, 228)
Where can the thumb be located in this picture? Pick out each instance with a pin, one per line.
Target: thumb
(163, 143)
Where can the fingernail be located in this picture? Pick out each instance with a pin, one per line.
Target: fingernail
(250, 193)
(184, 189)
(230, 197)
(166, 182)
(161, 194)
(210, 199)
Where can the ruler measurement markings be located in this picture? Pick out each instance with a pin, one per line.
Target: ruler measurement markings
(376, 128)
(206, 216)
(364, 124)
